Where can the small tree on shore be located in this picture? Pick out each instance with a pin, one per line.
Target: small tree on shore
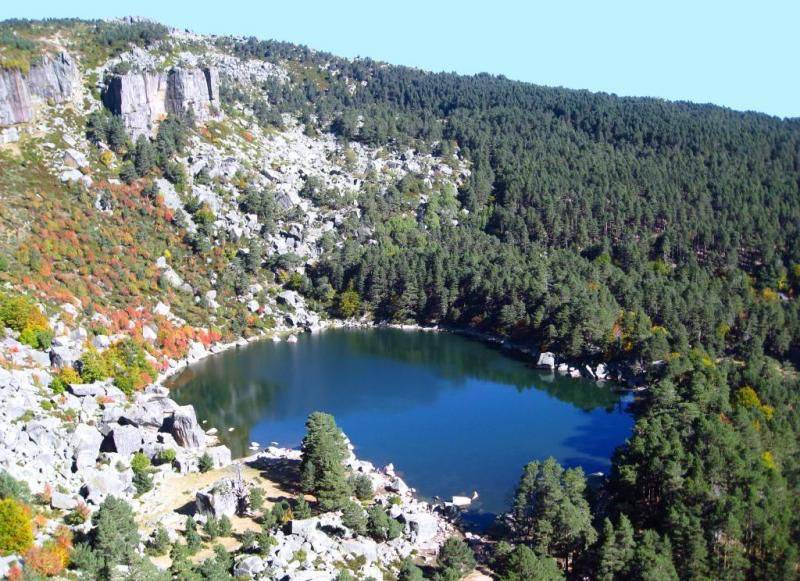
(322, 470)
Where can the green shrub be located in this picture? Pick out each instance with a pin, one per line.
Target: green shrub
(381, 526)
(21, 314)
(16, 531)
(193, 540)
(354, 518)
(166, 456)
(205, 463)
(301, 509)
(456, 555)
(362, 486)
(257, 497)
(12, 488)
(159, 544)
(63, 379)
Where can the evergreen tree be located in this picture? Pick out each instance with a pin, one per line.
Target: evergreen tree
(520, 563)
(322, 470)
(653, 559)
(551, 512)
(115, 536)
(616, 550)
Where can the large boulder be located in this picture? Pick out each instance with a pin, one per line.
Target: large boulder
(546, 361)
(227, 497)
(422, 526)
(99, 484)
(184, 428)
(361, 547)
(86, 446)
(249, 567)
(220, 455)
(125, 440)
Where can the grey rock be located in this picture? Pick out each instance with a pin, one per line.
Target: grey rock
(227, 497)
(422, 526)
(62, 501)
(220, 455)
(361, 547)
(304, 527)
(126, 440)
(185, 429)
(15, 98)
(249, 566)
(193, 89)
(546, 361)
(139, 98)
(54, 77)
(86, 446)
(89, 389)
(98, 484)
(75, 159)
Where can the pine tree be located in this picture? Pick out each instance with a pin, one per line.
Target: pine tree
(322, 470)
(653, 559)
(551, 511)
(193, 539)
(115, 536)
(616, 549)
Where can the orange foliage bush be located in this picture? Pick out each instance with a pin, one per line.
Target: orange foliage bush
(53, 556)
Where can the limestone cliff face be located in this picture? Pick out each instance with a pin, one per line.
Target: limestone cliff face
(55, 77)
(143, 99)
(139, 98)
(15, 99)
(193, 89)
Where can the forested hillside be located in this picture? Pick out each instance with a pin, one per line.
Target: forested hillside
(608, 228)
(661, 238)
(651, 217)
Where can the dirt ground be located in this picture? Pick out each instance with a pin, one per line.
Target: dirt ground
(173, 500)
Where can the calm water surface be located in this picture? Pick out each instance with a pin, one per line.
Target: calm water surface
(453, 414)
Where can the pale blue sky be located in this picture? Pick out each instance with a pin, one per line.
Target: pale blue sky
(744, 55)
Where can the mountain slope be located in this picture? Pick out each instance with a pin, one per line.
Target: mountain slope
(166, 191)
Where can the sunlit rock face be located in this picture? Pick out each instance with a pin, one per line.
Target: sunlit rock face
(53, 78)
(143, 99)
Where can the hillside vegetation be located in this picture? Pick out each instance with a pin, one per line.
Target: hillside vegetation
(662, 238)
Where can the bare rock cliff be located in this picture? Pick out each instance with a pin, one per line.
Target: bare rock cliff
(139, 98)
(54, 78)
(143, 99)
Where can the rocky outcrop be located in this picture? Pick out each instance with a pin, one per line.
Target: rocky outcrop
(143, 99)
(139, 98)
(54, 78)
(184, 428)
(193, 89)
(227, 497)
(15, 99)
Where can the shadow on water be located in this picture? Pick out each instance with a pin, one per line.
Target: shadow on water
(452, 413)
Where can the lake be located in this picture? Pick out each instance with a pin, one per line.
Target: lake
(453, 414)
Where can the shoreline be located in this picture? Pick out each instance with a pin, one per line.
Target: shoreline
(566, 367)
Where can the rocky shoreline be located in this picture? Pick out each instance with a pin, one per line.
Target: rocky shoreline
(76, 449)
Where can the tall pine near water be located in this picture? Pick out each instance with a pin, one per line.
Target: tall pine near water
(551, 513)
(322, 470)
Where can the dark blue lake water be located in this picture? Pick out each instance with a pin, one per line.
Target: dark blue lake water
(453, 414)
